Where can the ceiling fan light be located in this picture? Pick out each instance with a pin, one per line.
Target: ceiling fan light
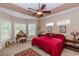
(39, 13)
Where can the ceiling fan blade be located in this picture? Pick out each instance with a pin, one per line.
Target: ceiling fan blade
(32, 9)
(46, 11)
(43, 6)
(34, 13)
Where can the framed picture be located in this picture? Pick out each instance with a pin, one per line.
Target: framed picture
(49, 29)
(62, 29)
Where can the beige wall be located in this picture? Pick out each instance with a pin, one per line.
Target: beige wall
(72, 14)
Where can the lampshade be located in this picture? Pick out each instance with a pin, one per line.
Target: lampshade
(74, 33)
(39, 13)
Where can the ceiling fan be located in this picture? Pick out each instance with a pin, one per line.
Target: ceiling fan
(40, 11)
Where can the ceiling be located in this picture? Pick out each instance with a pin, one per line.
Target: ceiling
(49, 6)
(21, 9)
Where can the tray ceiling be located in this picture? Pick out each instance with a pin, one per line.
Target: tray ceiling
(49, 6)
(21, 9)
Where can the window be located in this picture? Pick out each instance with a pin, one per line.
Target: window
(5, 28)
(50, 24)
(49, 27)
(31, 29)
(63, 22)
(18, 27)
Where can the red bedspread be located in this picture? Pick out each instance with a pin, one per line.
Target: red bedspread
(54, 46)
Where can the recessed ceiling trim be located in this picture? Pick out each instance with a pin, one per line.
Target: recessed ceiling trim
(16, 14)
(63, 7)
(63, 12)
(16, 8)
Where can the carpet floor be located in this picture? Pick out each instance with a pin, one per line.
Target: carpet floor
(16, 48)
(28, 52)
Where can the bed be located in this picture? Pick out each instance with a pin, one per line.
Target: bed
(53, 45)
